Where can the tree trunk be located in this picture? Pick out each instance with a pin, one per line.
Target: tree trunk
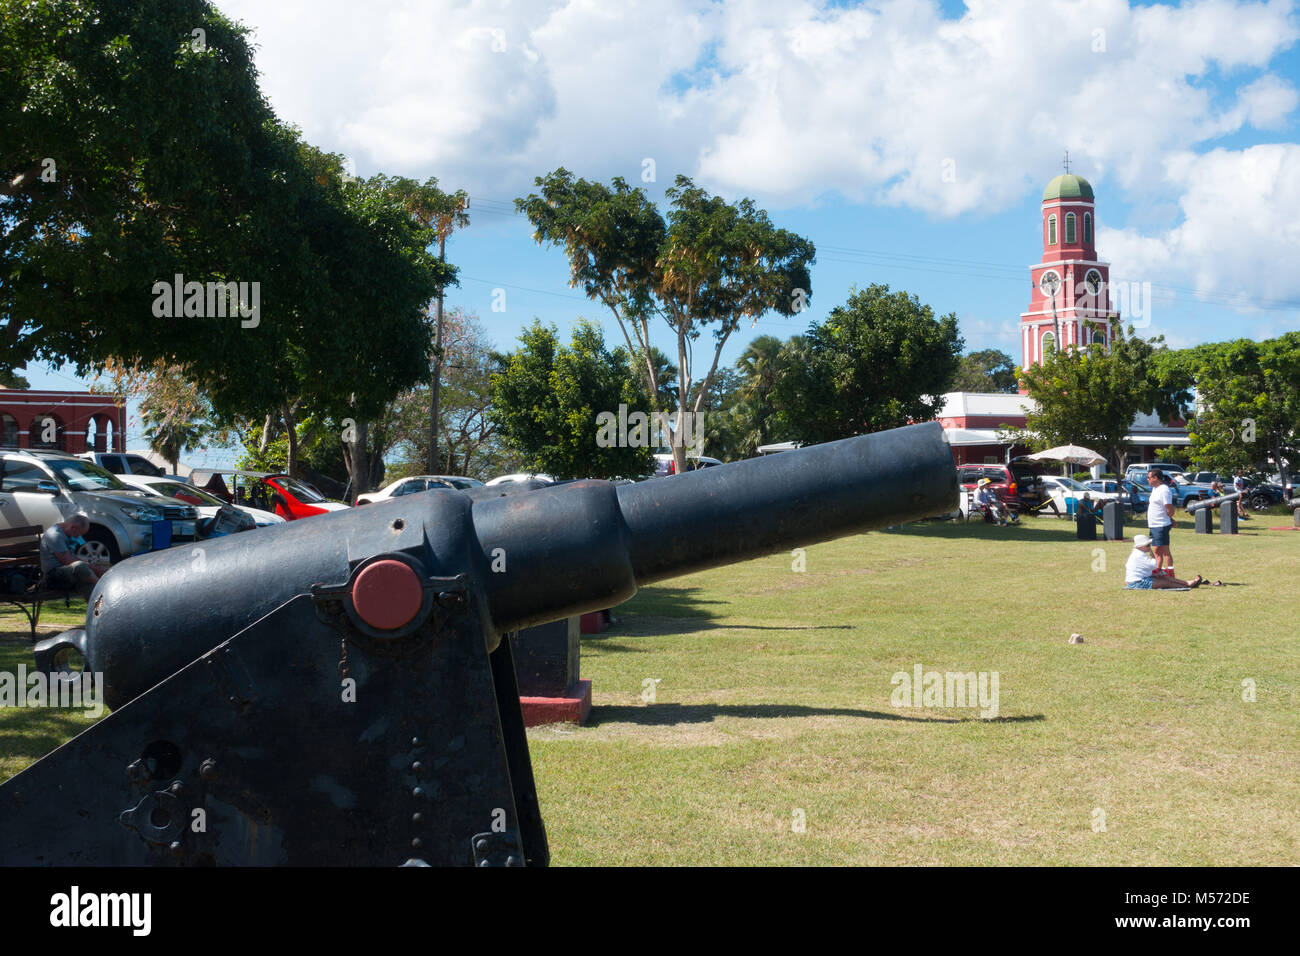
(359, 459)
(291, 430)
(436, 384)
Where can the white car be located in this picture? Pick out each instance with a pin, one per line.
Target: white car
(414, 484)
(509, 479)
(205, 502)
(664, 464)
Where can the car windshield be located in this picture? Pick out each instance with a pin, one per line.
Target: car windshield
(185, 492)
(300, 490)
(1069, 483)
(82, 475)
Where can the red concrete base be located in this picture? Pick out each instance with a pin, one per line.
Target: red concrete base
(594, 622)
(558, 710)
(1285, 528)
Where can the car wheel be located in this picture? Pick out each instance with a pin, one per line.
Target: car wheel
(100, 548)
(1259, 502)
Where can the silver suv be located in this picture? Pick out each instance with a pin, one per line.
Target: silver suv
(123, 463)
(41, 488)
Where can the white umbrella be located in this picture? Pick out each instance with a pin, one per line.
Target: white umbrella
(1074, 454)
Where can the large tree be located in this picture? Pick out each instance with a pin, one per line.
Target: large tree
(709, 266)
(1090, 396)
(1248, 406)
(548, 399)
(879, 361)
(137, 147)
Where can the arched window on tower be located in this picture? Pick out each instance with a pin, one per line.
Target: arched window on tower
(1087, 228)
(1049, 343)
(1051, 230)
(1069, 227)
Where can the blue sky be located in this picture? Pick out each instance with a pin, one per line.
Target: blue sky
(839, 119)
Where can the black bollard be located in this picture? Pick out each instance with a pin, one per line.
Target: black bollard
(1085, 524)
(1228, 517)
(1113, 521)
(1204, 520)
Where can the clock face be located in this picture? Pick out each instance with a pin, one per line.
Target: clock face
(1049, 283)
(1093, 281)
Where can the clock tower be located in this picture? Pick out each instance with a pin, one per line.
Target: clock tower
(1070, 303)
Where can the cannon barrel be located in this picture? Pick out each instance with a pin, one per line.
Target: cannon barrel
(1195, 506)
(540, 555)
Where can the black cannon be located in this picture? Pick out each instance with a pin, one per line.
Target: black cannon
(1203, 511)
(336, 691)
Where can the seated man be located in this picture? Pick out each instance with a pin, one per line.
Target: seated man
(1139, 570)
(60, 567)
(987, 502)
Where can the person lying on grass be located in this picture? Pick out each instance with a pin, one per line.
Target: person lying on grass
(1139, 571)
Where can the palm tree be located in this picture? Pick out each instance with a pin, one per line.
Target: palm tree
(170, 434)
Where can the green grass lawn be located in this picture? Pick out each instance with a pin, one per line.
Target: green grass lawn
(773, 704)
(774, 696)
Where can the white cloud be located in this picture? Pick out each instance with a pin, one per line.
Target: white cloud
(795, 102)
(788, 101)
(1239, 236)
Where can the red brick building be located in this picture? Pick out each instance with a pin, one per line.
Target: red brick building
(62, 421)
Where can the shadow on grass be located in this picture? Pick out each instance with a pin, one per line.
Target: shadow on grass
(657, 715)
(1013, 532)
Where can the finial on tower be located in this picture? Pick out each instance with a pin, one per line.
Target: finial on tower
(1067, 160)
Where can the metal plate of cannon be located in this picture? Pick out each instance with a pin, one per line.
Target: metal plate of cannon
(337, 691)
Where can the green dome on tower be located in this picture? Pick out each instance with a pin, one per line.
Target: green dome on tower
(1067, 186)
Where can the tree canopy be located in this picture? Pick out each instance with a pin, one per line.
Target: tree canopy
(547, 399)
(988, 370)
(709, 265)
(1248, 402)
(138, 148)
(879, 361)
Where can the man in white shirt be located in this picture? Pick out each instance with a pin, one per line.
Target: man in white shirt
(1139, 570)
(1160, 519)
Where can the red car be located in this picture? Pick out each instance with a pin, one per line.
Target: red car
(1017, 484)
(290, 498)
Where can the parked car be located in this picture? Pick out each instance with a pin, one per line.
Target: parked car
(1019, 484)
(123, 463)
(417, 483)
(1136, 495)
(1139, 472)
(1261, 492)
(1208, 478)
(42, 488)
(664, 464)
(207, 504)
(507, 479)
(287, 497)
